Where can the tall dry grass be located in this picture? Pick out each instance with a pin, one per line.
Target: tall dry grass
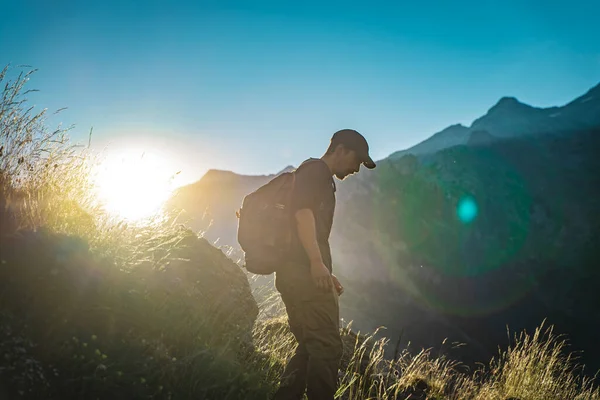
(44, 177)
(534, 367)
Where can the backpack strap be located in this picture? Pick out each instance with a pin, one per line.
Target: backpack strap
(309, 161)
(291, 191)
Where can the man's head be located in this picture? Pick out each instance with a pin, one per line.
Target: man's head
(347, 150)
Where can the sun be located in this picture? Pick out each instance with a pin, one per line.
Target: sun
(134, 184)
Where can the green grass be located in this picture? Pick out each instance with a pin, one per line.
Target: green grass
(93, 307)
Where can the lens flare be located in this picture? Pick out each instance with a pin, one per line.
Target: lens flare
(467, 209)
(445, 247)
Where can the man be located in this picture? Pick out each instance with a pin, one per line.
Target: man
(308, 288)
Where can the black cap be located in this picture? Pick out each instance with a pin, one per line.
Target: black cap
(353, 140)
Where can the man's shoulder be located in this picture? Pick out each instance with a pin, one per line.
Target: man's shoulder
(314, 166)
(314, 175)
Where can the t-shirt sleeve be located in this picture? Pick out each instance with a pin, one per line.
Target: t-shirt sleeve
(310, 187)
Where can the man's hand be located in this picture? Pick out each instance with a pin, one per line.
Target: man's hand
(321, 275)
(338, 286)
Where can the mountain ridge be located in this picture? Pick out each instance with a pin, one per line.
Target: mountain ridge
(510, 117)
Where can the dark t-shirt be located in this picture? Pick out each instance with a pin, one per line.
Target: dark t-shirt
(315, 189)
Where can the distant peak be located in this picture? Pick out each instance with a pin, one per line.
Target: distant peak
(213, 171)
(455, 127)
(287, 169)
(507, 101)
(509, 104)
(216, 175)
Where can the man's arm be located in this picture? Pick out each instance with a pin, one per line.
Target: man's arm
(307, 234)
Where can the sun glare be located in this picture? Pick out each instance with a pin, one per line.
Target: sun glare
(134, 185)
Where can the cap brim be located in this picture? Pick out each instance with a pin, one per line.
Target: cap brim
(369, 163)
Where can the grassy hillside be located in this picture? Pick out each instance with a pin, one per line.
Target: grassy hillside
(92, 307)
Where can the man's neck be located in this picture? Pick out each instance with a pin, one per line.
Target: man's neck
(329, 161)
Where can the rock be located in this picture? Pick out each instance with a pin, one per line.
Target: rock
(194, 295)
(217, 277)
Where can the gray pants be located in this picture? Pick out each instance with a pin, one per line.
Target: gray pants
(313, 317)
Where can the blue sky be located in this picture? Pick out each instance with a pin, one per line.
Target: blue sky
(233, 85)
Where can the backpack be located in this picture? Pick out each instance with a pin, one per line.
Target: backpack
(265, 224)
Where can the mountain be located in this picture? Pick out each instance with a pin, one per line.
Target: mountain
(482, 227)
(511, 118)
